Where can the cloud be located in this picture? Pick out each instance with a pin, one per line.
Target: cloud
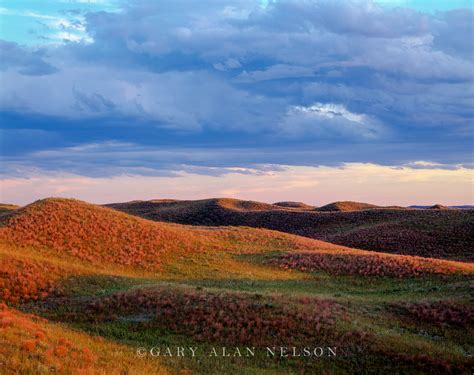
(214, 85)
(91, 103)
(23, 61)
(277, 71)
(450, 30)
(180, 100)
(64, 26)
(363, 18)
(329, 120)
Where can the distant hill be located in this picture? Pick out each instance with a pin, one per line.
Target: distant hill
(431, 233)
(297, 205)
(5, 207)
(70, 238)
(439, 206)
(75, 266)
(105, 237)
(347, 206)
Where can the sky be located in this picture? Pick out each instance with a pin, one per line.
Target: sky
(314, 101)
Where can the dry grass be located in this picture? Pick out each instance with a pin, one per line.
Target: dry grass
(54, 242)
(30, 344)
(23, 280)
(353, 262)
(346, 206)
(229, 318)
(295, 205)
(438, 312)
(428, 233)
(104, 237)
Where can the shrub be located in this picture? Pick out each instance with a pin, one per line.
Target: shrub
(438, 312)
(235, 319)
(364, 264)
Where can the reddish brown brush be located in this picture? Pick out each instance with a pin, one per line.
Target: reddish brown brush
(231, 318)
(429, 233)
(23, 280)
(366, 264)
(439, 312)
(31, 345)
(94, 234)
(445, 234)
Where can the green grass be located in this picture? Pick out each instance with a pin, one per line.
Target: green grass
(367, 301)
(233, 261)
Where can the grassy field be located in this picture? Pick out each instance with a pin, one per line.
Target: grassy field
(435, 233)
(77, 302)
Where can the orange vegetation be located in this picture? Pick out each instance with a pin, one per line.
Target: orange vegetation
(429, 233)
(23, 280)
(30, 343)
(296, 205)
(94, 234)
(103, 236)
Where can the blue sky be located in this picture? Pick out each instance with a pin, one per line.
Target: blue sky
(32, 22)
(163, 89)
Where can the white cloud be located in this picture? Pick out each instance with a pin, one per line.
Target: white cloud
(228, 64)
(59, 28)
(71, 37)
(329, 120)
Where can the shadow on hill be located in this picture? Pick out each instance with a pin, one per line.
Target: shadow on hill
(424, 232)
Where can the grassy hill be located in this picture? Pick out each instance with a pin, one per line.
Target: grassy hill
(346, 206)
(101, 283)
(296, 205)
(431, 233)
(7, 208)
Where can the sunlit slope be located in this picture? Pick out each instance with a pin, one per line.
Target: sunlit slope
(49, 241)
(126, 278)
(347, 206)
(101, 235)
(429, 233)
(31, 345)
(106, 238)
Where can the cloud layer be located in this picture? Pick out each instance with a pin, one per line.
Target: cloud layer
(161, 87)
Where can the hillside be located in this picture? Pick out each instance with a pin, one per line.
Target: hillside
(51, 240)
(345, 206)
(101, 283)
(423, 232)
(6, 208)
(33, 344)
(102, 235)
(296, 205)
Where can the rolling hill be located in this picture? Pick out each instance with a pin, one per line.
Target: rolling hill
(31, 345)
(98, 283)
(95, 235)
(6, 208)
(346, 206)
(296, 205)
(424, 232)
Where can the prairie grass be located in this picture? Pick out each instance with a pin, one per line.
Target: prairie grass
(108, 283)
